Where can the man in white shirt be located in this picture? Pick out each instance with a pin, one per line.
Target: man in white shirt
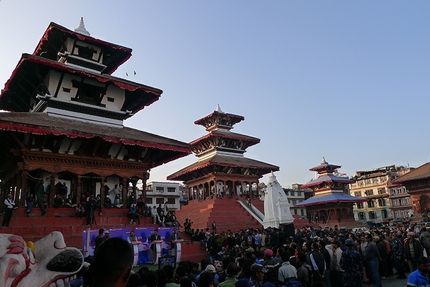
(9, 205)
(286, 271)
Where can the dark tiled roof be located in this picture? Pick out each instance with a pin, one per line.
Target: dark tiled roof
(336, 197)
(328, 178)
(220, 160)
(42, 123)
(421, 172)
(229, 135)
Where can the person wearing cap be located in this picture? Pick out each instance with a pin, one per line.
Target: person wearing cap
(412, 251)
(271, 265)
(420, 277)
(9, 205)
(207, 267)
(397, 255)
(257, 275)
(352, 265)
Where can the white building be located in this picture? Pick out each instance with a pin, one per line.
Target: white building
(158, 192)
(296, 195)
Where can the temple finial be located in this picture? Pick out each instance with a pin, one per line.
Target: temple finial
(218, 109)
(81, 29)
(323, 161)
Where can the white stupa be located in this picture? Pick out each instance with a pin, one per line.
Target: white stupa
(276, 206)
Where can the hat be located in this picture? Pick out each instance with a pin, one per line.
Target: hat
(250, 249)
(410, 233)
(107, 231)
(258, 268)
(210, 268)
(349, 241)
(268, 253)
(242, 283)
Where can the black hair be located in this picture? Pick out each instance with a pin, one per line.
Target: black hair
(112, 258)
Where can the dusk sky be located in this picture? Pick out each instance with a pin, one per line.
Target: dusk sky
(344, 80)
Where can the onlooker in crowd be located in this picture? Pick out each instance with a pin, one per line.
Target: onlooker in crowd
(413, 251)
(373, 257)
(397, 256)
(336, 270)
(420, 277)
(230, 278)
(30, 203)
(112, 263)
(352, 265)
(286, 272)
(99, 238)
(79, 211)
(9, 205)
(58, 202)
(318, 263)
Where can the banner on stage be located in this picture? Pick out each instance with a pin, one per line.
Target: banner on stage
(142, 234)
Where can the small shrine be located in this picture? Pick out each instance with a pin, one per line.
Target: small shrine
(331, 204)
(221, 167)
(64, 126)
(276, 206)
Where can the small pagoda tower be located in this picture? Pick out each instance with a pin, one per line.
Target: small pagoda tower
(331, 204)
(221, 167)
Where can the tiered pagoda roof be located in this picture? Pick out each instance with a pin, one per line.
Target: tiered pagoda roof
(328, 187)
(63, 102)
(221, 151)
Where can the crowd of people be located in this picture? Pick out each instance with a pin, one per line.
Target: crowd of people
(310, 257)
(337, 257)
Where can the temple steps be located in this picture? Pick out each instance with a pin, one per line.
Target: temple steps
(227, 213)
(64, 220)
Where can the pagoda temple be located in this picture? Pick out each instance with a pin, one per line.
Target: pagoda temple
(221, 167)
(65, 121)
(331, 204)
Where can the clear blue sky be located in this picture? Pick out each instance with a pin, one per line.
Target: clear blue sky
(347, 80)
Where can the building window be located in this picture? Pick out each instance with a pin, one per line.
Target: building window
(171, 189)
(292, 193)
(302, 212)
(295, 211)
(159, 200)
(293, 201)
(171, 200)
(360, 205)
(381, 202)
(372, 215)
(370, 203)
(361, 216)
(357, 193)
(148, 200)
(159, 189)
(299, 193)
(408, 200)
(399, 190)
(384, 213)
(393, 191)
(381, 190)
(369, 192)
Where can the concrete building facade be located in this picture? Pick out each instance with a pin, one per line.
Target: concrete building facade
(385, 201)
